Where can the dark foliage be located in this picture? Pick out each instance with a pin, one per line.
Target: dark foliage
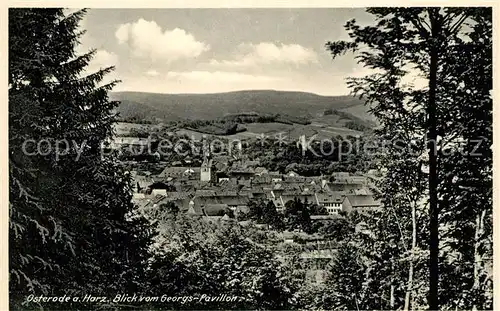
(72, 227)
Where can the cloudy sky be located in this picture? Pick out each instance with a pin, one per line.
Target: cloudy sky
(219, 50)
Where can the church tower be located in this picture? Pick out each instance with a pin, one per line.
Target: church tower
(206, 170)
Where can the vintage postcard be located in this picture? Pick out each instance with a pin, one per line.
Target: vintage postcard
(250, 158)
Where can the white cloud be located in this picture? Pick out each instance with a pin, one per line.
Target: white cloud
(152, 73)
(148, 40)
(103, 59)
(122, 33)
(414, 78)
(266, 53)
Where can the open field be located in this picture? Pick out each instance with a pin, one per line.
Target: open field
(124, 128)
(327, 128)
(274, 130)
(332, 120)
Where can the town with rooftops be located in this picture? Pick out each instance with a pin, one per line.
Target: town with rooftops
(220, 190)
(292, 203)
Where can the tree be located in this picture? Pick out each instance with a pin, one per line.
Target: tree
(365, 272)
(72, 223)
(345, 283)
(337, 229)
(318, 210)
(193, 257)
(297, 215)
(271, 217)
(165, 210)
(250, 271)
(466, 203)
(431, 42)
(263, 212)
(255, 210)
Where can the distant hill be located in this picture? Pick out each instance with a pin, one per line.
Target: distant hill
(173, 107)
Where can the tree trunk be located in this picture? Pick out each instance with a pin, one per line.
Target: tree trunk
(391, 298)
(433, 174)
(477, 257)
(409, 288)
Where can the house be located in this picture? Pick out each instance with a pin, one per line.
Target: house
(280, 205)
(259, 171)
(142, 182)
(222, 176)
(179, 171)
(205, 193)
(258, 192)
(218, 210)
(290, 188)
(194, 210)
(295, 179)
(340, 174)
(331, 201)
(244, 183)
(345, 183)
(178, 195)
(241, 173)
(155, 192)
(232, 201)
(361, 203)
(293, 174)
(138, 196)
(276, 178)
(251, 163)
(210, 212)
(219, 167)
(324, 217)
(363, 180)
(363, 191)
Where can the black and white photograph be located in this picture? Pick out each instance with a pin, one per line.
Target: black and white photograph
(250, 158)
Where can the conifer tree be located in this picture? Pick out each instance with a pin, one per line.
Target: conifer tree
(72, 228)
